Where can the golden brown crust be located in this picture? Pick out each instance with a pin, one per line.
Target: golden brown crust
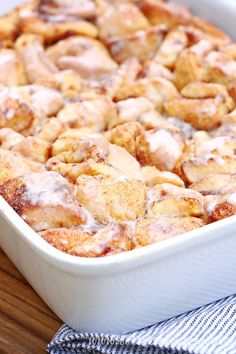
(189, 66)
(65, 239)
(196, 168)
(117, 121)
(125, 135)
(153, 176)
(9, 137)
(157, 91)
(44, 201)
(213, 183)
(160, 12)
(170, 200)
(153, 230)
(55, 31)
(118, 199)
(34, 148)
(112, 239)
(121, 20)
(203, 105)
(93, 113)
(142, 44)
(21, 116)
(25, 108)
(173, 14)
(11, 68)
(170, 49)
(222, 210)
(13, 165)
(9, 26)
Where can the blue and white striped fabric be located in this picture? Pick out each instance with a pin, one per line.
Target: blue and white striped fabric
(208, 330)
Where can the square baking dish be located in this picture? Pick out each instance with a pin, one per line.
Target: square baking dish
(135, 289)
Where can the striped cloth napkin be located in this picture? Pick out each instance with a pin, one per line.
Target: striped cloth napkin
(208, 330)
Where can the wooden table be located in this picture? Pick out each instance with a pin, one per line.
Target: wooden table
(26, 322)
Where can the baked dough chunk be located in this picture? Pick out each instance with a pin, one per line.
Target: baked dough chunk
(110, 83)
(88, 167)
(15, 111)
(225, 130)
(186, 128)
(79, 146)
(111, 199)
(196, 168)
(173, 44)
(190, 65)
(221, 68)
(90, 112)
(86, 56)
(130, 110)
(125, 135)
(153, 176)
(112, 239)
(222, 145)
(117, 120)
(79, 152)
(157, 91)
(44, 200)
(168, 199)
(202, 104)
(141, 45)
(11, 68)
(223, 207)
(173, 14)
(22, 108)
(55, 28)
(159, 12)
(13, 165)
(120, 159)
(121, 20)
(34, 148)
(79, 8)
(36, 63)
(214, 183)
(117, 168)
(9, 26)
(9, 138)
(162, 148)
(153, 230)
(65, 239)
(152, 69)
(50, 130)
(229, 118)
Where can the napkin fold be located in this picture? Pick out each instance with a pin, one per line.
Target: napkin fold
(208, 330)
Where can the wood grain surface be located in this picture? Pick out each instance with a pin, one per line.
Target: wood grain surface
(26, 322)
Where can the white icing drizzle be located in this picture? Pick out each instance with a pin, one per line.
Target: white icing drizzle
(134, 107)
(218, 144)
(168, 149)
(204, 160)
(232, 199)
(48, 188)
(6, 58)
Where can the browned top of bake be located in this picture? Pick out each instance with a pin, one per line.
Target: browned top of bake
(117, 122)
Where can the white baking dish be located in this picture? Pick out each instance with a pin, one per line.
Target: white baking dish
(134, 289)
